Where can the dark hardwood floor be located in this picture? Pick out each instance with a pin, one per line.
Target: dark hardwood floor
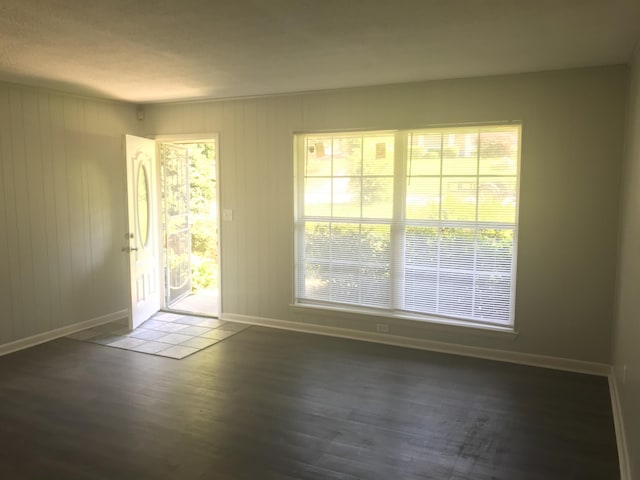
(270, 404)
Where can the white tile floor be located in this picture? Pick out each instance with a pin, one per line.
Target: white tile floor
(166, 334)
(198, 303)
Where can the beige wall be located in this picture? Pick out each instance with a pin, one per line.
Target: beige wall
(61, 210)
(627, 322)
(572, 148)
(62, 205)
(62, 187)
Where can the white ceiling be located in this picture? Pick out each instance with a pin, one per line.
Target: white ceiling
(162, 50)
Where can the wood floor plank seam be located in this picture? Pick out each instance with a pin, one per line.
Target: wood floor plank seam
(274, 404)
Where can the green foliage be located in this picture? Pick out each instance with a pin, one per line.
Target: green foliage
(195, 205)
(203, 232)
(203, 274)
(203, 225)
(366, 242)
(202, 178)
(450, 152)
(496, 147)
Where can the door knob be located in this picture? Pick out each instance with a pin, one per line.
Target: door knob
(129, 249)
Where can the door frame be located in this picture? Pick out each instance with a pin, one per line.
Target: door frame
(189, 138)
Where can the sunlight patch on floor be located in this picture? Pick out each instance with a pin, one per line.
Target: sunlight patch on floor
(165, 334)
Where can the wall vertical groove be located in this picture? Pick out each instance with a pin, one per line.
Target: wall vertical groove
(6, 328)
(60, 185)
(572, 123)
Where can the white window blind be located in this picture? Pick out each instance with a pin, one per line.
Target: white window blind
(420, 223)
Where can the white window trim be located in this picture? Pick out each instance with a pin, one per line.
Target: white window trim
(398, 224)
(434, 322)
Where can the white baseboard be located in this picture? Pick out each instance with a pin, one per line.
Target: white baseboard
(618, 422)
(556, 363)
(60, 332)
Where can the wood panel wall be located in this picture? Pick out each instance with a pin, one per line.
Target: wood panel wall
(62, 201)
(62, 187)
(572, 148)
(626, 341)
(255, 155)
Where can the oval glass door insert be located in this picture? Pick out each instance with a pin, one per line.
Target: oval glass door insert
(143, 205)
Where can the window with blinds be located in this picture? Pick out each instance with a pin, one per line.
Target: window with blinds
(419, 223)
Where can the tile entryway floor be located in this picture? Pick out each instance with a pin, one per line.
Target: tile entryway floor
(166, 334)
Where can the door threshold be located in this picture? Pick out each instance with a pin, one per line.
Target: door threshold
(188, 312)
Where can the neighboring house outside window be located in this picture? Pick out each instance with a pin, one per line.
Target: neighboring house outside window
(416, 223)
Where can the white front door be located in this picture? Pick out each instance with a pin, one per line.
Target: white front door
(143, 248)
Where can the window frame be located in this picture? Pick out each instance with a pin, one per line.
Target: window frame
(399, 223)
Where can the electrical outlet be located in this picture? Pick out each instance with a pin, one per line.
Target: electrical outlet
(624, 374)
(382, 328)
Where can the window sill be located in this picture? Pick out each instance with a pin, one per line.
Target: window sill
(432, 323)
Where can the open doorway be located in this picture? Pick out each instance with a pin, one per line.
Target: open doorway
(189, 206)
